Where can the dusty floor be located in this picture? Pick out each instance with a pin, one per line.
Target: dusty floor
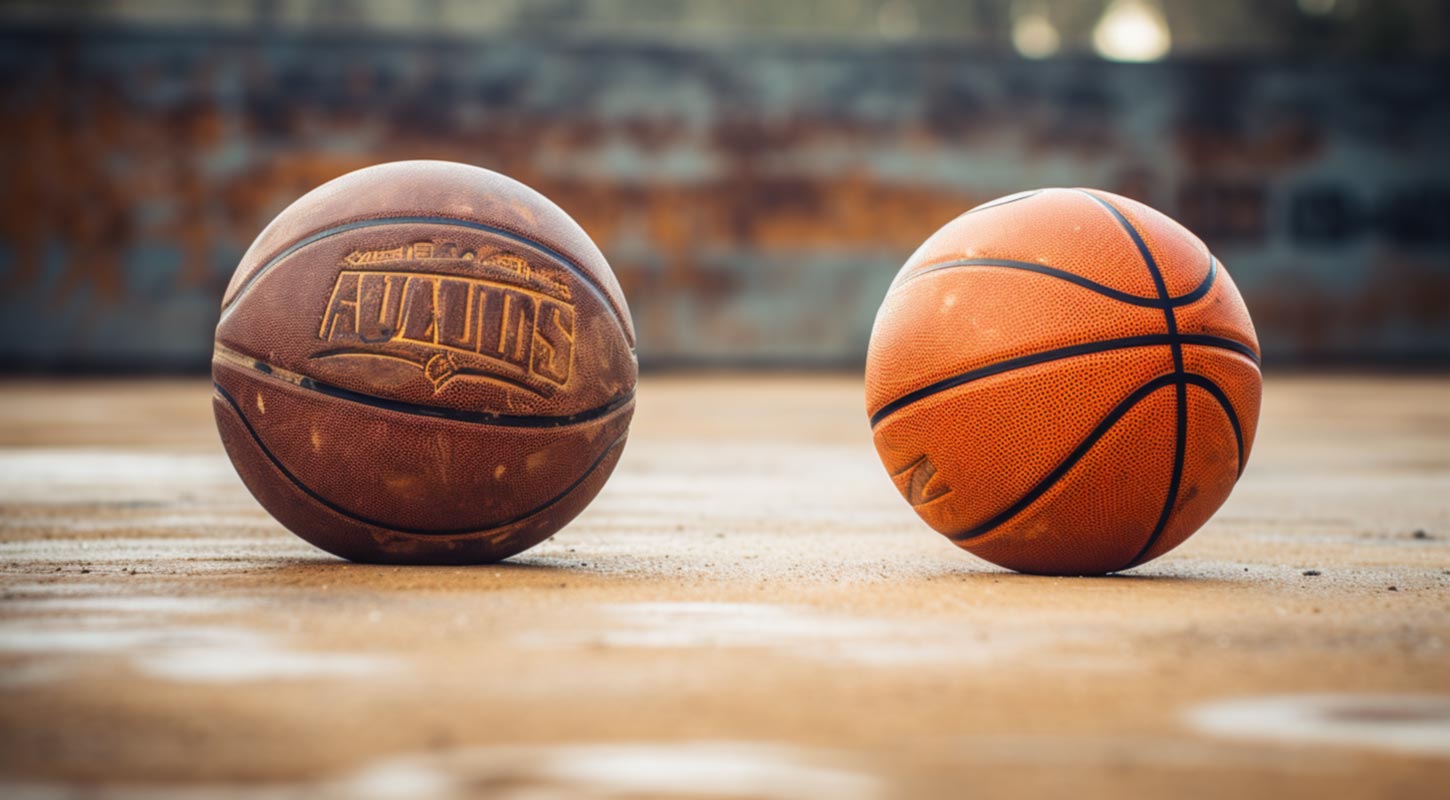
(748, 610)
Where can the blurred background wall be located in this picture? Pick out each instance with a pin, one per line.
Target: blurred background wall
(755, 171)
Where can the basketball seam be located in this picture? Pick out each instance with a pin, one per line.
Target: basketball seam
(1226, 405)
(1189, 298)
(276, 462)
(1181, 387)
(1033, 359)
(991, 204)
(567, 263)
(451, 414)
(1042, 486)
(1101, 429)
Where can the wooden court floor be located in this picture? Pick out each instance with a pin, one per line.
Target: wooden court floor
(748, 610)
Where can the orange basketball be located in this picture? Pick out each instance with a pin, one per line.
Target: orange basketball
(1064, 382)
(424, 362)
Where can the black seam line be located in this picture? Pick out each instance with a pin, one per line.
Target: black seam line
(1219, 341)
(1165, 301)
(563, 260)
(416, 531)
(1091, 285)
(1228, 410)
(988, 206)
(1033, 359)
(1097, 433)
(1175, 480)
(348, 352)
(455, 415)
(1233, 419)
(1180, 439)
(1076, 455)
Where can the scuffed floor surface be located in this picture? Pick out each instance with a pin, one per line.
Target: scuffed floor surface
(748, 610)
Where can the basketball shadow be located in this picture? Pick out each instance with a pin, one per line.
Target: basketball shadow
(980, 573)
(335, 573)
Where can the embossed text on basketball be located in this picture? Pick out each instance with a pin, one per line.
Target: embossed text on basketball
(510, 321)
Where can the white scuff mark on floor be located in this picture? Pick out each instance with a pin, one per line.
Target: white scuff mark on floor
(104, 636)
(1416, 724)
(203, 553)
(1093, 749)
(50, 632)
(47, 602)
(72, 791)
(588, 771)
(43, 475)
(178, 653)
(638, 769)
(796, 630)
(263, 662)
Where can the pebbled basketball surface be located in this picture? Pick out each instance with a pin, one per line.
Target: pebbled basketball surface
(1064, 381)
(742, 612)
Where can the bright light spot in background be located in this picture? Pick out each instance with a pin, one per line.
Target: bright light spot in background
(896, 19)
(1317, 7)
(1033, 33)
(1132, 30)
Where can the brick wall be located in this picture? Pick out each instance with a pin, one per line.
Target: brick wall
(755, 200)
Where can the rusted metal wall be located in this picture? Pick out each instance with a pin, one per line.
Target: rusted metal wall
(755, 201)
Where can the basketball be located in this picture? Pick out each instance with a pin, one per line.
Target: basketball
(1064, 382)
(424, 362)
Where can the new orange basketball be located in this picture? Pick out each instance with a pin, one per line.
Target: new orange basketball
(424, 362)
(1064, 382)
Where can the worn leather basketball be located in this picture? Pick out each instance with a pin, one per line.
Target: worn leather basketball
(424, 362)
(1064, 381)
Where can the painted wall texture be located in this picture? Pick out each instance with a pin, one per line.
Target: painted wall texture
(755, 200)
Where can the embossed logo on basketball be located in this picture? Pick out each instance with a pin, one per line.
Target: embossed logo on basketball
(919, 483)
(506, 319)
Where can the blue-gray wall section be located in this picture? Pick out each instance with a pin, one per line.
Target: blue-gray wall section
(755, 201)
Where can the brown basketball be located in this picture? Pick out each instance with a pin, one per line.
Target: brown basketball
(424, 362)
(1064, 382)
